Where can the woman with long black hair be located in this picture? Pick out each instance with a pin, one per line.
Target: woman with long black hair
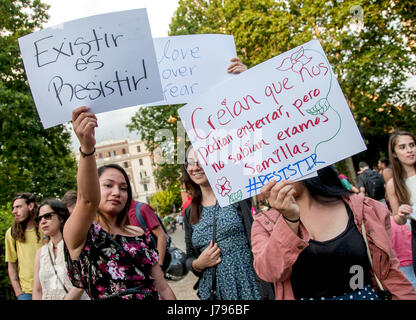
(311, 243)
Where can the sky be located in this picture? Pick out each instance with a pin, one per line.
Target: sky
(112, 125)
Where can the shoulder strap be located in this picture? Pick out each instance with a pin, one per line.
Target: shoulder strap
(369, 255)
(139, 216)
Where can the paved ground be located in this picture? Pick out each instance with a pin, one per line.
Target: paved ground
(183, 288)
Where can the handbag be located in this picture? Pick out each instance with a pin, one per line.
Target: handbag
(213, 292)
(381, 293)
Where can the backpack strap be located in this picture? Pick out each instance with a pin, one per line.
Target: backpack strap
(139, 216)
(143, 223)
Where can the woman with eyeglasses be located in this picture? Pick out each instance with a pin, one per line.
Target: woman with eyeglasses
(224, 265)
(107, 257)
(51, 280)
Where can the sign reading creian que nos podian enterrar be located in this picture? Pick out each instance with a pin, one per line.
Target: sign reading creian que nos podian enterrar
(282, 119)
(105, 61)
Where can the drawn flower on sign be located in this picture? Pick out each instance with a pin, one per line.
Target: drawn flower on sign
(223, 186)
(296, 62)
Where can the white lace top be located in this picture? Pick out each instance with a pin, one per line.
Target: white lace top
(52, 288)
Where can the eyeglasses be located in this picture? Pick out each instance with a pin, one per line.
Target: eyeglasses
(192, 163)
(46, 216)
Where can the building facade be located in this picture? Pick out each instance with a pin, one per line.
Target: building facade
(133, 157)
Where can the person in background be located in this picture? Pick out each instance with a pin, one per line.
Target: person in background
(70, 199)
(401, 239)
(385, 169)
(401, 188)
(371, 183)
(310, 244)
(152, 222)
(22, 240)
(346, 184)
(107, 257)
(186, 204)
(51, 281)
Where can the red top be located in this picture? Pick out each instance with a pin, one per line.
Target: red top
(148, 215)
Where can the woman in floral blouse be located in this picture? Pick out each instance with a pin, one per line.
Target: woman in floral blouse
(104, 255)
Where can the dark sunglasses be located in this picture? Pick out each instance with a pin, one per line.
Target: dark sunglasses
(46, 216)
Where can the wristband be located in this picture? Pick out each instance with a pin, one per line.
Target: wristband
(293, 221)
(83, 154)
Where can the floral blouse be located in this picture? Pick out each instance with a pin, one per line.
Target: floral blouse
(107, 266)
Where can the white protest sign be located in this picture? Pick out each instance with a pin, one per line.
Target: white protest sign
(105, 61)
(191, 64)
(283, 119)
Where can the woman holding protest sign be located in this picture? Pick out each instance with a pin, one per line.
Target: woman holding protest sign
(104, 255)
(316, 240)
(221, 259)
(401, 189)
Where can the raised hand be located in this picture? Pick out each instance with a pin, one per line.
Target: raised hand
(236, 66)
(84, 124)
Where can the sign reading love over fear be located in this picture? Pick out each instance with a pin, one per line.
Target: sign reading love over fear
(191, 64)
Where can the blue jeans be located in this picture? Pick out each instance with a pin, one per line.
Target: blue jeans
(410, 274)
(25, 296)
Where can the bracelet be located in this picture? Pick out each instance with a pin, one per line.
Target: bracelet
(293, 221)
(83, 154)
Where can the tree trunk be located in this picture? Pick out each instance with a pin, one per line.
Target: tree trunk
(351, 171)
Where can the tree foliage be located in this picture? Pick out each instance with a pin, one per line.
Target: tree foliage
(158, 128)
(31, 158)
(372, 63)
(6, 219)
(165, 200)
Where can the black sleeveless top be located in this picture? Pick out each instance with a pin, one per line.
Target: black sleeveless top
(334, 267)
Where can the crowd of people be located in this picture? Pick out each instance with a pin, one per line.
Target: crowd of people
(321, 238)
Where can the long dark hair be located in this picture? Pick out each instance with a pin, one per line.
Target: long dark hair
(327, 185)
(19, 228)
(399, 183)
(59, 207)
(122, 216)
(194, 190)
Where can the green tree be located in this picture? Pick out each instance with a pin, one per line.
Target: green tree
(158, 128)
(31, 159)
(6, 219)
(165, 200)
(372, 62)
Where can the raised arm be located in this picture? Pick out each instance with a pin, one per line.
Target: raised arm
(77, 226)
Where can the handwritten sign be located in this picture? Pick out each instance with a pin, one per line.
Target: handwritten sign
(105, 61)
(283, 119)
(191, 64)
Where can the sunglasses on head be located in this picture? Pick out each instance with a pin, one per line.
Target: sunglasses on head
(46, 216)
